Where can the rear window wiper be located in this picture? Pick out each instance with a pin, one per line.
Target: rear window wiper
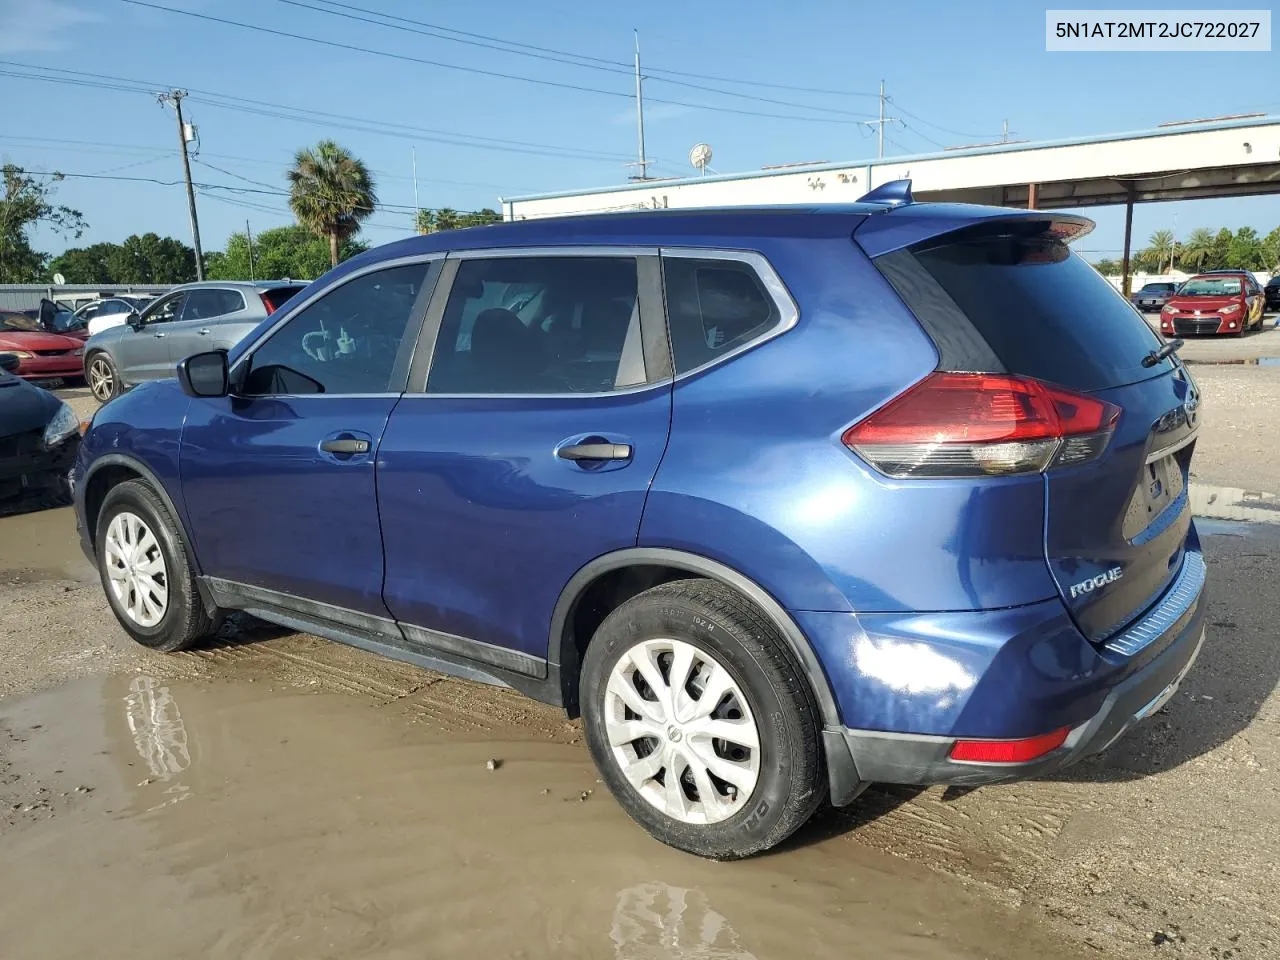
(1168, 350)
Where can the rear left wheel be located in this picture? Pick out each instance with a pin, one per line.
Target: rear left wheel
(700, 723)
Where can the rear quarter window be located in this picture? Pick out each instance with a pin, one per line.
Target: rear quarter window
(1025, 304)
(714, 306)
(276, 296)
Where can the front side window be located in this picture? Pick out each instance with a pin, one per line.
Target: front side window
(354, 339)
(714, 307)
(540, 325)
(166, 309)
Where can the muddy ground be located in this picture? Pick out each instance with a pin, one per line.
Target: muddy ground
(275, 795)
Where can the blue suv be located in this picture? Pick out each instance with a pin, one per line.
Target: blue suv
(782, 502)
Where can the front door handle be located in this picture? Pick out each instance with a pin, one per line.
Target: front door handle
(204, 332)
(345, 445)
(595, 451)
(158, 334)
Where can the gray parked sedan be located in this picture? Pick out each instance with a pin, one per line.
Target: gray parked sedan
(188, 319)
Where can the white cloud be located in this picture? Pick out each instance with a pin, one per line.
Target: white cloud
(37, 26)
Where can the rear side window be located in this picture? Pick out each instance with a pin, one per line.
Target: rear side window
(204, 304)
(540, 325)
(1019, 302)
(713, 307)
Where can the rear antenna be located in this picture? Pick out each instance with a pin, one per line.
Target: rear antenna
(895, 193)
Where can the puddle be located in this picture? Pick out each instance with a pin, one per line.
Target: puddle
(1233, 504)
(1233, 362)
(218, 821)
(42, 545)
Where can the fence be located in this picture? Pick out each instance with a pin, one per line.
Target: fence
(27, 296)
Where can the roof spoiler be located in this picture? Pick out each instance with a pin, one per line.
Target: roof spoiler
(895, 193)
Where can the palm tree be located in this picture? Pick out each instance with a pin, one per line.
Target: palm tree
(447, 219)
(1197, 248)
(1159, 250)
(330, 192)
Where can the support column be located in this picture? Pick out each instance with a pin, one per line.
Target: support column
(1126, 282)
(1033, 196)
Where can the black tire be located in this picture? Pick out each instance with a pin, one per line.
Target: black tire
(711, 617)
(185, 622)
(107, 366)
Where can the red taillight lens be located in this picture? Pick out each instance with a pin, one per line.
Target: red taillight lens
(1009, 751)
(271, 307)
(976, 424)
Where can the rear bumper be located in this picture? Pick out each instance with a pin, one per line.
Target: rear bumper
(1176, 631)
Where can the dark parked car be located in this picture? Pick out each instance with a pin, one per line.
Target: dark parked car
(1272, 292)
(1219, 301)
(39, 437)
(1153, 296)
(783, 501)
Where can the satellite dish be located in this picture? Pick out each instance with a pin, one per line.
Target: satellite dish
(700, 156)
(59, 279)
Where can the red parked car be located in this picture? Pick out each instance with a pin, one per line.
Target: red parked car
(44, 355)
(1220, 302)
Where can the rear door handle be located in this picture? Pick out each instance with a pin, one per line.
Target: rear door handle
(204, 332)
(158, 333)
(345, 445)
(595, 451)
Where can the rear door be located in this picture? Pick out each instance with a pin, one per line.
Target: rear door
(530, 449)
(1009, 297)
(206, 313)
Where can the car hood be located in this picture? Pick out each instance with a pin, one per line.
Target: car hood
(23, 407)
(1202, 304)
(35, 340)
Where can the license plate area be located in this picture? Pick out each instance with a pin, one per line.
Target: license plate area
(1161, 483)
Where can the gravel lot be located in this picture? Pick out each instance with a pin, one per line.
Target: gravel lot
(1164, 846)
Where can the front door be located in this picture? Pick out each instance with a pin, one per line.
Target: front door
(531, 450)
(142, 352)
(278, 478)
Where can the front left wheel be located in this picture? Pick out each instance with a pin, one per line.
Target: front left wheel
(700, 722)
(143, 567)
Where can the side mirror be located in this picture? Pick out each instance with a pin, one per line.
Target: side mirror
(10, 362)
(134, 319)
(205, 374)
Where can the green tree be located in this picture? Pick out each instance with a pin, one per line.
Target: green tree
(26, 203)
(1108, 267)
(1196, 249)
(85, 264)
(1271, 250)
(481, 218)
(1246, 250)
(1159, 252)
(331, 193)
(446, 218)
(150, 258)
(280, 253)
(1220, 252)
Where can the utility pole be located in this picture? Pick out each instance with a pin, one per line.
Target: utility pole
(175, 97)
(249, 233)
(882, 121)
(416, 208)
(642, 162)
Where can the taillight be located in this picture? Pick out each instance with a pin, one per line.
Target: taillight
(1009, 751)
(268, 304)
(982, 424)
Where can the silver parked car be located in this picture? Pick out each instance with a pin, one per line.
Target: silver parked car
(192, 318)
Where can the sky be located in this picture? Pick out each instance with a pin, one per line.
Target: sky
(471, 88)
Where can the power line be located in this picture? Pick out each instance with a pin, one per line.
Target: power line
(259, 28)
(621, 65)
(934, 126)
(549, 56)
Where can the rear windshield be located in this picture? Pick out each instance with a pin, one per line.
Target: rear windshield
(278, 295)
(1211, 287)
(1157, 288)
(1002, 297)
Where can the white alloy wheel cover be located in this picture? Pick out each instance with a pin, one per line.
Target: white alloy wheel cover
(100, 378)
(681, 731)
(136, 570)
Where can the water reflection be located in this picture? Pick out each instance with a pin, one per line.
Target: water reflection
(1234, 503)
(159, 735)
(656, 921)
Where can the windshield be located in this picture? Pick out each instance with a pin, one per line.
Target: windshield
(62, 321)
(1211, 287)
(19, 322)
